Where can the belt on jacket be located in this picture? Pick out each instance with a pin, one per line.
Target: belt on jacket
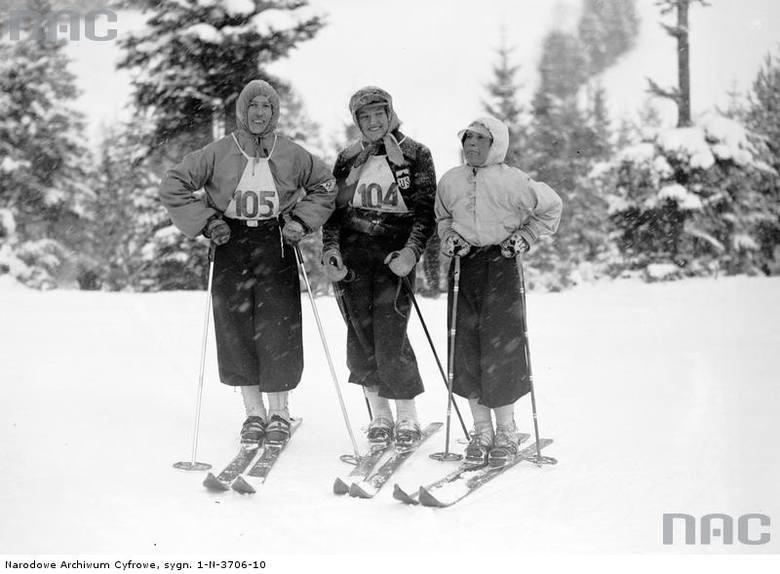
(374, 222)
(254, 222)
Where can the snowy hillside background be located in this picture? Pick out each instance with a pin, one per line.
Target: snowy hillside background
(661, 398)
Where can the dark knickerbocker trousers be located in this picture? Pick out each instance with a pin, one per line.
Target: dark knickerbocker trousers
(490, 360)
(257, 309)
(378, 349)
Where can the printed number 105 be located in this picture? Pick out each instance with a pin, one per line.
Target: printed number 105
(251, 204)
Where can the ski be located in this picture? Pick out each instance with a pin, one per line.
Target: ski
(449, 493)
(362, 469)
(369, 486)
(413, 497)
(235, 467)
(259, 471)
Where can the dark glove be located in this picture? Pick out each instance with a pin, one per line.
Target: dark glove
(455, 246)
(513, 245)
(334, 266)
(401, 262)
(217, 230)
(293, 231)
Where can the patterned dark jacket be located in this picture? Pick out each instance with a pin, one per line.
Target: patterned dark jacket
(417, 185)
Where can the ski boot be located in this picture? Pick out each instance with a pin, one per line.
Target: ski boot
(479, 446)
(407, 433)
(380, 433)
(278, 430)
(253, 432)
(505, 446)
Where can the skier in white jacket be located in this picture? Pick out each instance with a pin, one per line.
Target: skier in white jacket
(488, 214)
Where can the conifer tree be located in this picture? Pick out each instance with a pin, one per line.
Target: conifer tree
(194, 57)
(502, 101)
(763, 118)
(43, 163)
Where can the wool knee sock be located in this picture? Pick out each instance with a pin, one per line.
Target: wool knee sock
(505, 417)
(406, 410)
(277, 404)
(253, 402)
(380, 406)
(483, 422)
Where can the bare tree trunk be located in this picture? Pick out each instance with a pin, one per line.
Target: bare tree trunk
(683, 65)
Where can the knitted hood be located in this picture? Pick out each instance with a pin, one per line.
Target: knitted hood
(252, 90)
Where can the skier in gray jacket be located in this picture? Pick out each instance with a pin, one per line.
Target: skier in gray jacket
(263, 194)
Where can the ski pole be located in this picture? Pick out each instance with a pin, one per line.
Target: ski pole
(299, 259)
(538, 458)
(408, 286)
(192, 464)
(447, 455)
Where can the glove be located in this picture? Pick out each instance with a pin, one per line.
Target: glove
(401, 262)
(293, 232)
(334, 267)
(217, 230)
(455, 246)
(513, 245)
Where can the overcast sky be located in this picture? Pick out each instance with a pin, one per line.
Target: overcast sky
(435, 57)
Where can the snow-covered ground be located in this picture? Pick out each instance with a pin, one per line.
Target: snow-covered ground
(661, 398)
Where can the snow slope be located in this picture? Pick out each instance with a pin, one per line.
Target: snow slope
(661, 398)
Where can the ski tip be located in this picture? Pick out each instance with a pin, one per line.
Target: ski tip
(401, 495)
(242, 486)
(427, 499)
(355, 491)
(212, 483)
(340, 487)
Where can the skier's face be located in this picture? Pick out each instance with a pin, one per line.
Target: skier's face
(373, 121)
(259, 113)
(475, 148)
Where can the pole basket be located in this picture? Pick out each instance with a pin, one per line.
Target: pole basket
(349, 459)
(191, 466)
(540, 460)
(446, 456)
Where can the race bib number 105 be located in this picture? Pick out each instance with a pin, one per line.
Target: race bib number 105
(250, 204)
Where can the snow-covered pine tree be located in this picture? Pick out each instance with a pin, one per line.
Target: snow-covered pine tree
(134, 244)
(570, 131)
(763, 118)
(194, 56)
(43, 164)
(502, 101)
(690, 200)
(696, 199)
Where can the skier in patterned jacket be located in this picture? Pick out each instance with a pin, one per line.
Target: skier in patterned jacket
(383, 219)
(488, 214)
(263, 194)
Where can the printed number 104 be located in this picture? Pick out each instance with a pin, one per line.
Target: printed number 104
(371, 195)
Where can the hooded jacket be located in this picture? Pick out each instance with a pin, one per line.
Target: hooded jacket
(305, 185)
(488, 203)
(412, 167)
